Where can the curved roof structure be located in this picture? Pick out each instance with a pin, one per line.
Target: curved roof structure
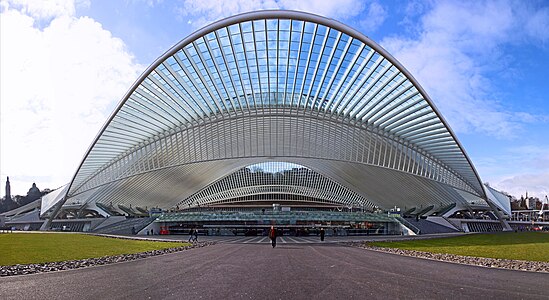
(283, 184)
(276, 86)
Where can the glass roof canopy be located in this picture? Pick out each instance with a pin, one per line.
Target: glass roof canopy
(274, 85)
(278, 182)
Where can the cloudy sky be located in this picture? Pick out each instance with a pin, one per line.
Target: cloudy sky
(64, 66)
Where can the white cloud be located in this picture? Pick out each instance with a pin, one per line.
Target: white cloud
(60, 80)
(531, 118)
(457, 54)
(537, 24)
(518, 169)
(415, 7)
(537, 185)
(200, 13)
(457, 51)
(374, 18)
(149, 3)
(41, 10)
(335, 9)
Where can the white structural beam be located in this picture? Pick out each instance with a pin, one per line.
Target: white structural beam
(276, 86)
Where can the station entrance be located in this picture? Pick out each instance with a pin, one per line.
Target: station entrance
(256, 222)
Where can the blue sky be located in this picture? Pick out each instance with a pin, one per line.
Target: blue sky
(66, 64)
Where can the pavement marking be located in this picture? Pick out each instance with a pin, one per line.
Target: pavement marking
(293, 240)
(283, 239)
(251, 240)
(233, 240)
(264, 239)
(300, 240)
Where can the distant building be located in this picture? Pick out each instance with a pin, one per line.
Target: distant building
(8, 189)
(33, 193)
(531, 203)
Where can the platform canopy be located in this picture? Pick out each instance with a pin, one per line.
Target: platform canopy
(276, 86)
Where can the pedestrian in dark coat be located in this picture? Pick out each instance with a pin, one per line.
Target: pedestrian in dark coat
(322, 234)
(191, 235)
(272, 236)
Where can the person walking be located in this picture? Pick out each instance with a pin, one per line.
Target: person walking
(196, 235)
(322, 234)
(191, 235)
(272, 236)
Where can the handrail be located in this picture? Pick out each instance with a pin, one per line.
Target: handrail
(409, 225)
(452, 223)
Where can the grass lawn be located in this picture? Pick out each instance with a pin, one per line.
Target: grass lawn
(26, 248)
(532, 246)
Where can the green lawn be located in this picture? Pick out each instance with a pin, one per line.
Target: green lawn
(26, 248)
(532, 246)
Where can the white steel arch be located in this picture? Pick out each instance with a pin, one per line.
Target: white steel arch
(295, 184)
(276, 86)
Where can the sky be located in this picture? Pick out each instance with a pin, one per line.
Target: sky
(66, 64)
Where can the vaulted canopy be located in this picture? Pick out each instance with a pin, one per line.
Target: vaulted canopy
(276, 86)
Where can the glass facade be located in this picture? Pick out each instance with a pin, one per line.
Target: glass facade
(276, 86)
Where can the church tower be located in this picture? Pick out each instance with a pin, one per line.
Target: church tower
(8, 189)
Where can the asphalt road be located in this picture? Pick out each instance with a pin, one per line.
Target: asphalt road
(290, 271)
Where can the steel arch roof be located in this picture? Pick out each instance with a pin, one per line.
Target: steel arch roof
(269, 85)
(295, 183)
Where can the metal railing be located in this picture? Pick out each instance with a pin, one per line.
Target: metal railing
(409, 225)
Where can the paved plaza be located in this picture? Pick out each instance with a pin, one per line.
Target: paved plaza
(250, 269)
